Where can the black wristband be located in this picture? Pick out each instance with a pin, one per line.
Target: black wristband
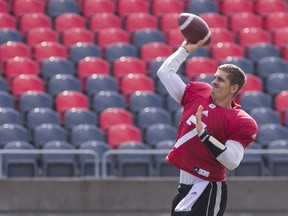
(205, 138)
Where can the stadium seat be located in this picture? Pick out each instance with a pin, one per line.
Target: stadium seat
(276, 82)
(265, 7)
(99, 21)
(168, 22)
(74, 35)
(163, 167)
(34, 99)
(44, 133)
(137, 21)
(241, 20)
(152, 115)
(153, 50)
(12, 132)
(91, 7)
(7, 99)
(7, 20)
(87, 162)
(40, 34)
(4, 6)
(222, 51)
(81, 50)
(176, 116)
(62, 82)
(253, 35)
(115, 51)
(255, 99)
(56, 65)
(279, 36)
(69, 20)
(265, 115)
(140, 100)
(159, 132)
(281, 101)
(91, 65)
(275, 20)
(160, 7)
(26, 82)
(202, 6)
(39, 116)
(230, 7)
(70, 99)
(135, 165)
(9, 116)
(126, 65)
(277, 163)
(253, 83)
(174, 38)
(135, 82)
(10, 35)
(270, 64)
(12, 49)
(20, 7)
(247, 65)
(109, 36)
(260, 50)
(122, 133)
(270, 132)
(100, 82)
(202, 51)
(221, 35)
(215, 20)
(19, 65)
(207, 78)
(76, 116)
(58, 165)
(284, 52)
(126, 7)
(55, 8)
(48, 49)
(112, 116)
(4, 84)
(20, 165)
(34, 20)
(142, 36)
(107, 99)
(86, 132)
(153, 66)
(197, 65)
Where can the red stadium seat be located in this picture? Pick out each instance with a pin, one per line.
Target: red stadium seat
(239, 21)
(100, 21)
(74, 35)
(20, 7)
(281, 104)
(4, 7)
(135, 82)
(69, 20)
(198, 65)
(33, 20)
(275, 20)
(284, 52)
(161, 7)
(229, 7)
(114, 116)
(263, 8)
(221, 51)
(153, 50)
(126, 65)
(7, 20)
(48, 49)
(215, 20)
(122, 133)
(221, 35)
(168, 22)
(125, 7)
(249, 36)
(40, 34)
(26, 82)
(12, 49)
(279, 36)
(109, 36)
(137, 21)
(174, 37)
(91, 7)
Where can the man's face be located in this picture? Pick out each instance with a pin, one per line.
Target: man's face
(221, 87)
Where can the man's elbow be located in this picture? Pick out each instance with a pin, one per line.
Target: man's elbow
(233, 165)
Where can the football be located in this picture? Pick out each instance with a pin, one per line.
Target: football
(194, 28)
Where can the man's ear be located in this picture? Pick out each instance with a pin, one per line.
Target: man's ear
(234, 88)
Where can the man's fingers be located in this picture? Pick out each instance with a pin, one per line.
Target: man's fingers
(199, 112)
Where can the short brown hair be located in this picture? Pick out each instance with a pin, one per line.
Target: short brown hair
(235, 74)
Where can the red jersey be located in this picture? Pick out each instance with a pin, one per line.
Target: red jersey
(189, 153)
